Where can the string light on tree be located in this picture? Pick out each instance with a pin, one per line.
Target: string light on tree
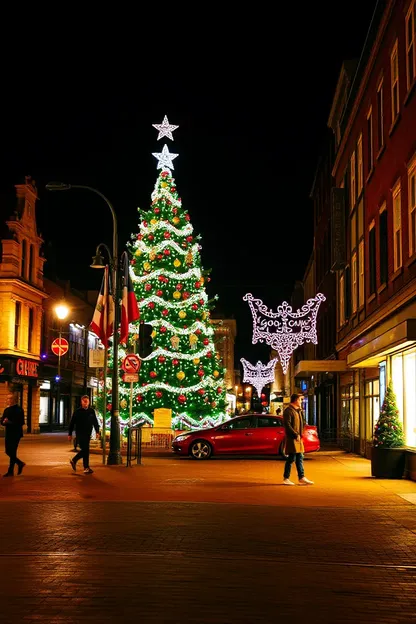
(258, 375)
(284, 330)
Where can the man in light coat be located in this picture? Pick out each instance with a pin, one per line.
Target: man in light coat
(293, 421)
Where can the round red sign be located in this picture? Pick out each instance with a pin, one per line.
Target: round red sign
(60, 346)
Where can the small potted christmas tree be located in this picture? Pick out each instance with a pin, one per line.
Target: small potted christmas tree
(388, 451)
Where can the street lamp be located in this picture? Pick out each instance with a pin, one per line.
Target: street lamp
(114, 456)
(61, 312)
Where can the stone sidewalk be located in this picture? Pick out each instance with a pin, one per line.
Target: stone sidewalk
(175, 540)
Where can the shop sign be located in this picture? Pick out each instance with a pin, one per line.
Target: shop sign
(27, 368)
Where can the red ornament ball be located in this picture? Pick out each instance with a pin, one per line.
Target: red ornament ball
(165, 312)
(139, 236)
(201, 372)
(164, 174)
(209, 354)
(197, 284)
(133, 262)
(157, 210)
(147, 287)
(175, 210)
(159, 394)
(145, 224)
(139, 398)
(175, 362)
(201, 301)
(167, 252)
(173, 189)
(219, 390)
(189, 239)
(194, 306)
(153, 374)
(159, 293)
(161, 359)
(206, 341)
(182, 398)
(150, 237)
(151, 305)
(163, 330)
(187, 217)
(185, 295)
(166, 234)
(179, 286)
(109, 407)
(201, 391)
(198, 331)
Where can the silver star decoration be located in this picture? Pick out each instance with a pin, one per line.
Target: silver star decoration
(165, 129)
(165, 158)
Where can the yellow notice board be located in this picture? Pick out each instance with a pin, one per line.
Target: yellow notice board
(163, 418)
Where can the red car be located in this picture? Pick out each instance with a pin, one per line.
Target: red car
(251, 434)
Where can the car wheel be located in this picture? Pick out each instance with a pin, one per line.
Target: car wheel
(282, 451)
(200, 449)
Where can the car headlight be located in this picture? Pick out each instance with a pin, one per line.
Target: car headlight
(181, 438)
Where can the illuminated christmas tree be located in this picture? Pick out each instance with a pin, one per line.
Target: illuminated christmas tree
(388, 431)
(183, 372)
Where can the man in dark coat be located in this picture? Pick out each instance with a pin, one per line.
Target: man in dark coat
(13, 420)
(83, 420)
(293, 421)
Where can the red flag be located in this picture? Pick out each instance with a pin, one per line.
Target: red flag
(102, 323)
(129, 308)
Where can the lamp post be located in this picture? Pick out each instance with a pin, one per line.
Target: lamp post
(114, 456)
(61, 311)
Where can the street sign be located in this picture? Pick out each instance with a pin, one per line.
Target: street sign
(96, 358)
(60, 346)
(131, 363)
(131, 377)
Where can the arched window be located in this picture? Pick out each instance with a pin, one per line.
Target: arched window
(24, 258)
(32, 264)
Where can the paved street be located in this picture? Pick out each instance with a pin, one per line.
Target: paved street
(175, 540)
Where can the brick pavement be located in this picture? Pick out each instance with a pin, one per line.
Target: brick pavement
(180, 541)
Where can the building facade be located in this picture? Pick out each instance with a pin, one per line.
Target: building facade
(373, 118)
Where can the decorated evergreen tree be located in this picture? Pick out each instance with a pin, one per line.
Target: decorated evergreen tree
(388, 431)
(183, 371)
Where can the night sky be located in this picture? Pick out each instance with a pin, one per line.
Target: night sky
(251, 94)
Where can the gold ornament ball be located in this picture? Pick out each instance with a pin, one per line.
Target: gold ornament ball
(177, 263)
(153, 221)
(163, 184)
(175, 220)
(216, 373)
(123, 403)
(138, 252)
(180, 375)
(196, 361)
(176, 294)
(182, 314)
(146, 266)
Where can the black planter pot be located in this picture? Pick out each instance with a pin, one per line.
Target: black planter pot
(387, 463)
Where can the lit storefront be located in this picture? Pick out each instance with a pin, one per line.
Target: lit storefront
(21, 375)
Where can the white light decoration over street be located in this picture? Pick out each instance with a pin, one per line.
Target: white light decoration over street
(284, 330)
(165, 129)
(258, 375)
(165, 158)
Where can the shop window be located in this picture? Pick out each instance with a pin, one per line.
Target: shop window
(372, 404)
(347, 397)
(404, 387)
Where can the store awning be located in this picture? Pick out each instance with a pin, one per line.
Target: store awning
(307, 368)
(375, 351)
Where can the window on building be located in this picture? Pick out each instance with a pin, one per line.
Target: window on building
(372, 405)
(347, 407)
(394, 68)
(353, 232)
(31, 263)
(17, 319)
(360, 172)
(397, 227)
(353, 186)
(370, 154)
(380, 117)
(372, 258)
(354, 282)
(361, 292)
(411, 176)
(410, 45)
(383, 245)
(24, 259)
(403, 368)
(30, 329)
(341, 286)
(347, 299)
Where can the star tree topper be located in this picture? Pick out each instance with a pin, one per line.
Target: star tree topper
(284, 330)
(165, 129)
(165, 158)
(258, 375)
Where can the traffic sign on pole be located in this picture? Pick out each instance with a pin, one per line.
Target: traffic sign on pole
(131, 377)
(131, 363)
(60, 346)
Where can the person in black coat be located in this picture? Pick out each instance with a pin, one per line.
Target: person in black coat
(13, 420)
(83, 421)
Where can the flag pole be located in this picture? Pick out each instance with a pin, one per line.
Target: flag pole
(105, 404)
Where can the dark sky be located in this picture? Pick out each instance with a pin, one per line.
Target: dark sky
(251, 94)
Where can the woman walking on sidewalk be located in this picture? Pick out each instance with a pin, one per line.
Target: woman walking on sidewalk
(83, 420)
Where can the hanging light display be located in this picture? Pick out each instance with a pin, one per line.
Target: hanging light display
(258, 375)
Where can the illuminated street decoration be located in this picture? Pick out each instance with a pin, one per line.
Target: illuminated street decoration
(258, 375)
(165, 158)
(284, 330)
(165, 129)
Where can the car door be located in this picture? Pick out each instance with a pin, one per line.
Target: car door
(268, 435)
(236, 436)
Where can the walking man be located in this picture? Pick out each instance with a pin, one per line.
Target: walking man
(293, 421)
(83, 420)
(13, 420)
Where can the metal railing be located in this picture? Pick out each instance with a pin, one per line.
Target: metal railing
(134, 446)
